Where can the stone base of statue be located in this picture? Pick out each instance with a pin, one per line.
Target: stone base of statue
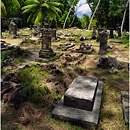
(46, 53)
(101, 52)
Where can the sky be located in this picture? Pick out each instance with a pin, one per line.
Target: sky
(83, 8)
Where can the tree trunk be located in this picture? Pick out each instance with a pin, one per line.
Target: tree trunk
(93, 14)
(68, 14)
(124, 17)
(72, 21)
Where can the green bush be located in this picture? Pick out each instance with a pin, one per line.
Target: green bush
(125, 39)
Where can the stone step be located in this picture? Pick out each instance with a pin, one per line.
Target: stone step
(84, 118)
(81, 93)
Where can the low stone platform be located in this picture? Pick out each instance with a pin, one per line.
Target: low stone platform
(81, 93)
(125, 105)
(84, 118)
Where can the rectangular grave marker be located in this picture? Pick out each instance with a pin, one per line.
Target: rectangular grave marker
(81, 93)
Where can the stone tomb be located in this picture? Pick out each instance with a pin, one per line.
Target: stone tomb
(81, 102)
(85, 48)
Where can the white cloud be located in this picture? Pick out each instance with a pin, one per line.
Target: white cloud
(82, 7)
(81, 2)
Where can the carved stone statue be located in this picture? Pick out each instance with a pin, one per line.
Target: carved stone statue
(12, 28)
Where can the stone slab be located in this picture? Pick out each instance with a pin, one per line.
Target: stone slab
(125, 105)
(116, 41)
(84, 118)
(81, 93)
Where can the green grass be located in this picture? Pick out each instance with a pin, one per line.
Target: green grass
(5, 33)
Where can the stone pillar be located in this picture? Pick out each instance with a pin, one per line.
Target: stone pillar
(111, 33)
(99, 30)
(46, 50)
(12, 28)
(103, 42)
(119, 31)
(94, 36)
(53, 36)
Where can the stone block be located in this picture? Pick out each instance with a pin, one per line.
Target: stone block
(81, 93)
(84, 118)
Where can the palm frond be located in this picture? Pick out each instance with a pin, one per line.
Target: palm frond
(3, 9)
(55, 4)
(45, 5)
(55, 13)
(39, 16)
(30, 7)
(29, 2)
(56, 9)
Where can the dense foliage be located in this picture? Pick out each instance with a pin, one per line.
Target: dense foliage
(109, 13)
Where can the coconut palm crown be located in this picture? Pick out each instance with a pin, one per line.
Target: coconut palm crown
(39, 9)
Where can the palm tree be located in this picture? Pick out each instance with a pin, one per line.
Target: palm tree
(124, 16)
(68, 14)
(39, 9)
(94, 14)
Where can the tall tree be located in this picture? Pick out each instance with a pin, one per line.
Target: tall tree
(124, 16)
(94, 14)
(68, 13)
(39, 9)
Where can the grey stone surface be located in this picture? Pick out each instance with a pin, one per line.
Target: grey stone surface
(108, 62)
(82, 38)
(111, 33)
(85, 48)
(116, 41)
(53, 36)
(81, 93)
(99, 30)
(65, 46)
(46, 50)
(125, 105)
(12, 28)
(94, 35)
(85, 118)
(103, 42)
(109, 46)
(115, 62)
